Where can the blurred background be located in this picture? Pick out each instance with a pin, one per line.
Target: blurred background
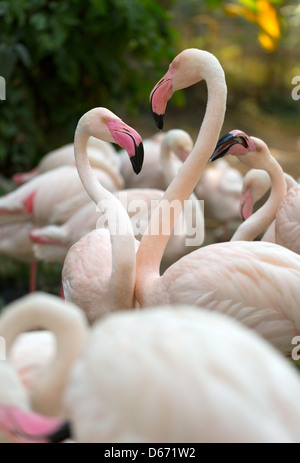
(60, 58)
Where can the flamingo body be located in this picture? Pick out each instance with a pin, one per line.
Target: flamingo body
(177, 374)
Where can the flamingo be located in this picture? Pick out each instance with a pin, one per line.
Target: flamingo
(255, 282)
(32, 200)
(68, 324)
(18, 423)
(113, 253)
(284, 230)
(220, 188)
(102, 155)
(130, 355)
(253, 152)
(256, 183)
(287, 223)
(157, 375)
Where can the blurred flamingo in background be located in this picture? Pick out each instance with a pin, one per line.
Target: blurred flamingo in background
(220, 188)
(287, 223)
(255, 282)
(18, 424)
(284, 230)
(256, 183)
(101, 155)
(171, 355)
(32, 200)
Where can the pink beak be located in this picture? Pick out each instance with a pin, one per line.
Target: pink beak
(129, 139)
(160, 96)
(27, 427)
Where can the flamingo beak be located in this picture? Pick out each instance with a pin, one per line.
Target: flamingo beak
(159, 98)
(138, 158)
(22, 426)
(129, 139)
(225, 143)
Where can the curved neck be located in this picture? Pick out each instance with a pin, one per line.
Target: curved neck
(69, 326)
(152, 245)
(121, 290)
(169, 167)
(261, 219)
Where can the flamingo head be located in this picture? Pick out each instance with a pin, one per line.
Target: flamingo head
(236, 143)
(180, 142)
(105, 125)
(187, 68)
(251, 151)
(256, 183)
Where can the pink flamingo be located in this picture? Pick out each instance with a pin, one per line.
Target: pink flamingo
(220, 188)
(32, 200)
(284, 230)
(158, 376)
(287, 223)
(256, 183)
(33, 204)
(253, 152)
(255, 282)
(133, 354)
(18, 423)
(113, 254)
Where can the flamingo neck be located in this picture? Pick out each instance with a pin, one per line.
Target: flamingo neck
(153, 245)
(122, 280)
(70, 329)
(261, 219)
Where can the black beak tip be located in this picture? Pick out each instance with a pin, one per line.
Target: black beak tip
(64, 432)
(159, 120)
(223, 146)
(138, 158)
(215, 156)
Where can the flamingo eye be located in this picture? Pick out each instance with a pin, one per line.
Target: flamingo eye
(104, 119)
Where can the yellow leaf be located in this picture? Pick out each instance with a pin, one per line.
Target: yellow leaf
(267, 42)
(267, 18)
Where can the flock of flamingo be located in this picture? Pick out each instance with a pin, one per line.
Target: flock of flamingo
(153, 340)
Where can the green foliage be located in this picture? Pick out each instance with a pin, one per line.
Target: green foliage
(61, 58)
